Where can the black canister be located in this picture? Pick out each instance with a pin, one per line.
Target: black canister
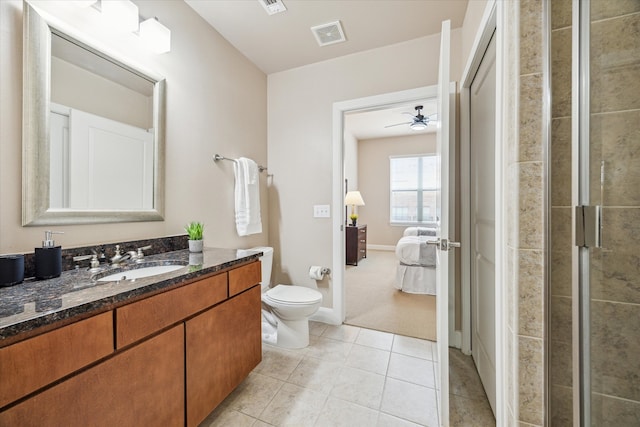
(48, 262)
(11, 269)
(48, 258)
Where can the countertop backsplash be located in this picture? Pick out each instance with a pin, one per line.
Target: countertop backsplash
(158, 245)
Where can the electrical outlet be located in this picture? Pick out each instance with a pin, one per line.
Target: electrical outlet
(321, 211)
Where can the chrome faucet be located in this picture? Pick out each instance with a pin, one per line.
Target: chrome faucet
(95, 263)
(138, 255)
(118, 257)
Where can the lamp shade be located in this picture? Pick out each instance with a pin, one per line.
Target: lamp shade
(354, 198)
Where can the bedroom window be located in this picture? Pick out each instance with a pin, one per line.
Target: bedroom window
(413, 185)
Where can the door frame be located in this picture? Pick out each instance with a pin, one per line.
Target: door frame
(494, 19)
(336, 315)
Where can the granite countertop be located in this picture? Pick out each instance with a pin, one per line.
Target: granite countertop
(36, 305)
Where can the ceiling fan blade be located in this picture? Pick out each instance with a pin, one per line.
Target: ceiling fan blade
(432, 114)
(398, 124)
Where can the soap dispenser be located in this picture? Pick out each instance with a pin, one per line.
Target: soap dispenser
(48, 257)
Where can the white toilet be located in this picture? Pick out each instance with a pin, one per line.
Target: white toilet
(288, 306)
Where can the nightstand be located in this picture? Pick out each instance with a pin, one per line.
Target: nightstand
(356, 243)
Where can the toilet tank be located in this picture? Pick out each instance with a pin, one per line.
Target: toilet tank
(267, 261)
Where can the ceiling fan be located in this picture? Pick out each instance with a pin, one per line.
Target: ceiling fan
(419, 122)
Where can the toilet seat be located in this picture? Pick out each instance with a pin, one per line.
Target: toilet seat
(291, 294)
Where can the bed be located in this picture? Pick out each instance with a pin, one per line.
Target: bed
(416, 271)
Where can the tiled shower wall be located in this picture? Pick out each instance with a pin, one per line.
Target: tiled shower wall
(523, 131)
(615, 185)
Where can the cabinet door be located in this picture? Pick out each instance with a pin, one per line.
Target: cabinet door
(142, 386)
(140, 319)
(223, 345)
(34, 363)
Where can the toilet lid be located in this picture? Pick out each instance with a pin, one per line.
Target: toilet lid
(294, 294)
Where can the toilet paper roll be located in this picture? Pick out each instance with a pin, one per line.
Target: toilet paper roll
(315, 272)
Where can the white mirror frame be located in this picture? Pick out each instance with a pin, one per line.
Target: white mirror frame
(35, 133)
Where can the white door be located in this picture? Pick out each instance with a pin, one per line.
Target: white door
(483, 260)
(444, 260)
(111, 164)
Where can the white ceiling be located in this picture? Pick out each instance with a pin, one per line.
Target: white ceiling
(372, 124)
(283, 41)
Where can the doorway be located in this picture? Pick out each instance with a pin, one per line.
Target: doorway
(380, 147)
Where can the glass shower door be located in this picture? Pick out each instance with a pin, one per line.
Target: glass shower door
(613, 268)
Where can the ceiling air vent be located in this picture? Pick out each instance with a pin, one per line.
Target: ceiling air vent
(330, 33)
(273, 6)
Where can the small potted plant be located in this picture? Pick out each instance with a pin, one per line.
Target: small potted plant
(194, 230)
(354, 219)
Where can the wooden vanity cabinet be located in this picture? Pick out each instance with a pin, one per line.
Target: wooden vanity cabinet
(223, 345)
(36, 362)
(141, 386)
(164, 360)
(142, 318)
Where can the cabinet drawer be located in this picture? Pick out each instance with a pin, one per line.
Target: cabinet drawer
(36, 362)
(243, 278)
(141, 386)
(140, 319)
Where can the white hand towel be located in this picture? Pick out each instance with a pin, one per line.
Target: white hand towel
(247, 197)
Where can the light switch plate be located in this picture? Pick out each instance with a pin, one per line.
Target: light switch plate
(321, 211)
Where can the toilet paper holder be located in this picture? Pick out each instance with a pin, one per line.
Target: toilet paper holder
(316, 272)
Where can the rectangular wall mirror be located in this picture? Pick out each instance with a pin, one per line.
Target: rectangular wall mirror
(93, 132)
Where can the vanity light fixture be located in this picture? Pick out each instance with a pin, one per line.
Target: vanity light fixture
(155, 35)
(121, 14)
(83, 3)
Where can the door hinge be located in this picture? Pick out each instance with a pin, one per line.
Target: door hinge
(588, 226)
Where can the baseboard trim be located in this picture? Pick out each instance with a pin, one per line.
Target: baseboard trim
(381, 248)
(326, 315)
(455, 339)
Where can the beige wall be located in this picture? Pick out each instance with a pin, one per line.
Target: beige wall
(300, 142)
(211, 88)
(75, 87)
(373, 179)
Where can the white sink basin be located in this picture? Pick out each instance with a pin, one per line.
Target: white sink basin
(139, 273)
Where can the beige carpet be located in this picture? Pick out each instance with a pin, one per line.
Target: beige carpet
(373, 302)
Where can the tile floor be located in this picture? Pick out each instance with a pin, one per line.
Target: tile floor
(347, 376)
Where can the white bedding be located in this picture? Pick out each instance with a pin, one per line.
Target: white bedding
(414, 279)
(414, 250)
(416, 263)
